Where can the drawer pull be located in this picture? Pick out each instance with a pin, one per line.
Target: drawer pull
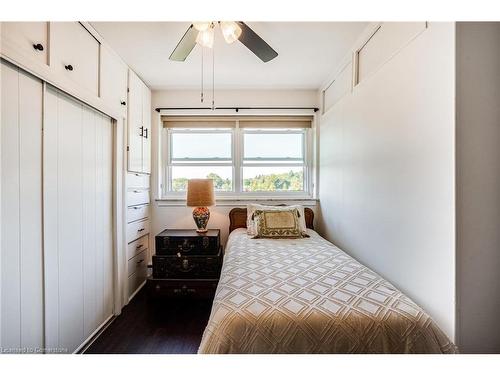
(138, 247)
(146, 131)
(136, 208)
(140, 230)
(123, 103)
(140, 261)
(38, 47)
(142, 131)
(68, 67)
(136, 191)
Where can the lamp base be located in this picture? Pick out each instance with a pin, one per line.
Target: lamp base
(201, 216)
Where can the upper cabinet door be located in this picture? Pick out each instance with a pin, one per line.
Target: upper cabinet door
(146, 143)
(75, 53)
(30, 38)
(113, 80)
(135, 123)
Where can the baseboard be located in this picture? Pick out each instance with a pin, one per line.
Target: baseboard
(137, 291)
(90, 340)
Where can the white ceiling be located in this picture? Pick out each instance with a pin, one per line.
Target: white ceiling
(308, 54)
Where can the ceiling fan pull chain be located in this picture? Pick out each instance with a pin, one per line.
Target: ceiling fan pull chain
(201, 94)
(213, 78)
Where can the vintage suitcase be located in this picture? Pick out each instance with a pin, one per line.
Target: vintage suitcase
(187, 267)
(187, 242)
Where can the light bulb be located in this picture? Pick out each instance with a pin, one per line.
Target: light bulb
(206, 38)
(201, 26)
(231, 31)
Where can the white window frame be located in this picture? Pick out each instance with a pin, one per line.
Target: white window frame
(237, 163)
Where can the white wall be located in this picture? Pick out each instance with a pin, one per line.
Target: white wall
(478, 186)
(387, 183)
(180, 216)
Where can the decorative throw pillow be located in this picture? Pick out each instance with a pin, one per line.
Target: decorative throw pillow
(251, 208)
(277, 224)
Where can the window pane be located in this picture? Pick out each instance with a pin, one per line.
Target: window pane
(201, 145)
(273, 179)
(272, 146)
(222, 177)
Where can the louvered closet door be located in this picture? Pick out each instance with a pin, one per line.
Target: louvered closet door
(78, 220)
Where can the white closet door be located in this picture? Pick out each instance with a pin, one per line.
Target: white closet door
(135, 122)
(21, 210)
(146, 118)
(78, 226)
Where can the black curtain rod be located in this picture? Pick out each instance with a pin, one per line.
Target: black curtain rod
(315, 109)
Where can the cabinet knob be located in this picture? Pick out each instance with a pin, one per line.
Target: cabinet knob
(38, 47)
(142, 131)
(68, 67)
(146, 133)
(123, 103)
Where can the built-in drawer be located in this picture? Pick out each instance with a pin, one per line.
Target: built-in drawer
(135, 263)
(138, 181)
(137, 229)
(137, 196)
(137, 246)
(135, 213)
(137, 278)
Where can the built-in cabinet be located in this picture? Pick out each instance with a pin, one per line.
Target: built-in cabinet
(69, 255)
(75, 54)
(71, 56)
(139, 125)
(29, 38)
(114, 79)
(56, 216)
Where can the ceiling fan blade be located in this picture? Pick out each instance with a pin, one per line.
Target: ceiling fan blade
(255, 43)
(185, 45)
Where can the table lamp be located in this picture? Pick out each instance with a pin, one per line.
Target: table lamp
(200, 195)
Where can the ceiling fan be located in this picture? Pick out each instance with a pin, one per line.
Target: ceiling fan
(203, 34)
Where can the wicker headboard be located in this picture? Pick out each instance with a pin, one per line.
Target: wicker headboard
(238, 218)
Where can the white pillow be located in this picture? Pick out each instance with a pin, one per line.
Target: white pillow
(252, 207)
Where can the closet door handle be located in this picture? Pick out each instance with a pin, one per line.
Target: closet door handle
(38, 47)
(146, 131)
(142, 131)
(68, 67)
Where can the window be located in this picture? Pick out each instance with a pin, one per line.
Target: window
(196, 153)
(273, 160)
(257, 157)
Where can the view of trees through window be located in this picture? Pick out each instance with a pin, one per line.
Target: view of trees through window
(287, 181)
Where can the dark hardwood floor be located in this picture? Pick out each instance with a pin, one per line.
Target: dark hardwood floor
(173, 327)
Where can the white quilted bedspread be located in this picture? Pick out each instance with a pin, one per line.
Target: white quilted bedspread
(308, 296)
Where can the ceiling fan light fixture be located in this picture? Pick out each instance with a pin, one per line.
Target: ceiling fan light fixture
(201, 25)
(206, 38)
(231, 31)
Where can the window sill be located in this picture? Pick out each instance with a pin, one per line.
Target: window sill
(242, 201)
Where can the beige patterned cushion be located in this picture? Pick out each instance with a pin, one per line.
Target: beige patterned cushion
(252, 207)
(277, 224)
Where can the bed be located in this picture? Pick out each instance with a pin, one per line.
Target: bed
(308, 296)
